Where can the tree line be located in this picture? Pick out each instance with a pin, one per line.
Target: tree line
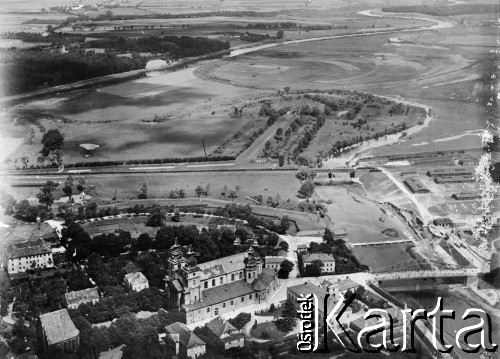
(30, 70)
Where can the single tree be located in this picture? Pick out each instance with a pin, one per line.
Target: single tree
(233, 195)
(199, 191)
(307, 189)
(52, 140)
(144, 191)
(157, 216)
(144, 242)
(284, 246)
(46, 194)
(281, 160)
(68, 187)
(82, 184)
(280, 34)
(285, 268)
(314, 269)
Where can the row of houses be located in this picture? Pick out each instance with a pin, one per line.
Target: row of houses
(274, 262)
(181, 342)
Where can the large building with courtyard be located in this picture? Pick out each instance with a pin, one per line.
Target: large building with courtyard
(207, 290)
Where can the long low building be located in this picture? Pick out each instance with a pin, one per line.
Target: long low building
(469, 195)
(416, 186)
(74, 299)
(454, 179)
(452, 171)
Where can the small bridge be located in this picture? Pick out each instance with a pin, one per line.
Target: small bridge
(420, 268)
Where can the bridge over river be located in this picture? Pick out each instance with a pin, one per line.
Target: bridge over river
(423, 275)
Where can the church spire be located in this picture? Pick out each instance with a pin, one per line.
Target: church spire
(190, 251)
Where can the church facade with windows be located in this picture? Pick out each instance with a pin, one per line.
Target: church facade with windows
(206, 290)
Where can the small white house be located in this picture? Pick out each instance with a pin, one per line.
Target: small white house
(136, 281)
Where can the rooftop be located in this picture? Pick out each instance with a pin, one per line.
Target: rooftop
(264, 279)
(58, 326)
(219, 326)
(185, 336)
(221, 294)
(222, 266)
(136, 278)
(78, 296)
(28, 248)
(132, 267)
(451, 171)
(308, 288)
(273, 259)
(319, 256)
(416, 185)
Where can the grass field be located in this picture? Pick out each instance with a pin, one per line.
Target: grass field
(381, 256)
(160, 184)
(120, 117)
(363, 219)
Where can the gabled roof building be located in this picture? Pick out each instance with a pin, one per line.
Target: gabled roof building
(74, 299)
(57, 329)
(224, 334)
(182, 342)
(327, 260)
(136, 281)
(27, 255)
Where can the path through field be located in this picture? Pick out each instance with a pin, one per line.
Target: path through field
(424, 212)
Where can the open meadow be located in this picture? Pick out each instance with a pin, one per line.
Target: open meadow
(161, 116)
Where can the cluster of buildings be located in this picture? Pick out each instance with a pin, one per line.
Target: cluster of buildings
(181, 342)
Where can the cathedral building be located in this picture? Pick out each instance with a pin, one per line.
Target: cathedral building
(207, 290)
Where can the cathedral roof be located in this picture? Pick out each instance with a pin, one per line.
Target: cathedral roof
(221, 293)
(222, 266)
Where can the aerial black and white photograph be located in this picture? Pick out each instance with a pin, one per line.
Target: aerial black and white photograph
(249, 179)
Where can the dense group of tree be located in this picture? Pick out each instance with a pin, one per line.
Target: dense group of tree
(177, 47)
(31, 70)
(55, 38)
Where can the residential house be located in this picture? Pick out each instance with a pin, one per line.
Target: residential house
(182, 342)
(74, 299)
(274, 263)
(224, 334)
(136, 281)
(327, 260)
